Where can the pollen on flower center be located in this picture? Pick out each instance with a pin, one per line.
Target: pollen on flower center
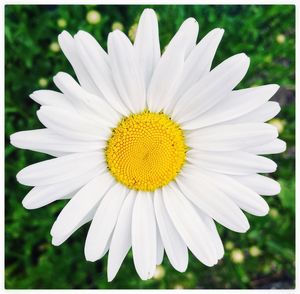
(146, 151)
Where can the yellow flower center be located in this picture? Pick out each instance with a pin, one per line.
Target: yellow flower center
(146, 151)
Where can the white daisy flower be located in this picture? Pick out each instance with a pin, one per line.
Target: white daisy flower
(152, 148)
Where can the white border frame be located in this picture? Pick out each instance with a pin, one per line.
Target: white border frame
(53, 2)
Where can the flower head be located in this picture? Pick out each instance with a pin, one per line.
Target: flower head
(43, 82)
(93, 17)
(152, 148)
(132, 32)
(254, 251)
(278, 123)
(229, 245)
(54, 47)
(117, 26)
(159, 272)
(237, 256)
(62, 23)
(280, 38)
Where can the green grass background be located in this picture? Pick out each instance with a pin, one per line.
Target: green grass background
(265, 33)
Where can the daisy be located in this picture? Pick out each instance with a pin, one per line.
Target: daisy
(152, 148)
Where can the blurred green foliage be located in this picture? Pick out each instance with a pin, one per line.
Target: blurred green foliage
(265, 33)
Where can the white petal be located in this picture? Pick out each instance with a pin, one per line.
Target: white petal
(89, 105)
(168, 70)
(79, 207)
(60, 169)
(46, 141)
(187, 34)
(175, 247)
(42, 195)
(197, 64)
(144, 235)
(244, 197)
(59, 239)
(231, 137)
(72, 125)
(213, 231)
(67, 45)
(121, 238)
(69, 196)
(273, 147)
(170, 66)
(126, 73)
(189, 225)
(96, 62)
(211, 89)
(159, 249)
(237, 104)
(197, 188)
(52, 98)
(260, 184)
(146, 44)
(104, 222)
(232, 162)
(264, 113)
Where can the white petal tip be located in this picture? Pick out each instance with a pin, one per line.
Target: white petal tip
(181, 268)
(20, 177)
(244, 228)
(265, 210)
(111, 38)
(245, 57)
(145, 278)
(211, 263)
(77, 36)
(39, 112)
(56, 230)
(82, 33)
(12, 139)
(218, 31)
(284, 146)
(31, 204)
(90, 256)
(221, 32)
(274, 167)
(26, 204)
(56, 78)
(146, 275)
(64, 32)
(274, 190)
(275, 87)
(221, 254)
(111, 274)
(149, 11)
(52, 231)
(262, 209)
(191, 20)
(116, 32)
(278, 190)
(59, 75)
(32, 95)
(64, 35)
(56, 242)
